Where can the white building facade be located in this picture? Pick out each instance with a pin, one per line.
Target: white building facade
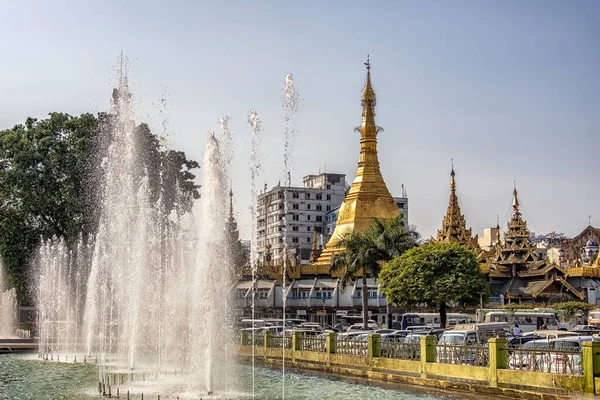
(304, 209)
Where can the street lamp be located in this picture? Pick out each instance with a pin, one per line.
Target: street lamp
(481, 299)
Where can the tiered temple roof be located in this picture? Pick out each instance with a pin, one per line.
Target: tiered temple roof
(454, 226)
(517, 271)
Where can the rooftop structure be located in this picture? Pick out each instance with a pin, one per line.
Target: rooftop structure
(516, 270)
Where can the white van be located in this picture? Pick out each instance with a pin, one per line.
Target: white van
(474, 334)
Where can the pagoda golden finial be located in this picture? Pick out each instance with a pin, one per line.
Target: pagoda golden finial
(452, 181)
(515, 198)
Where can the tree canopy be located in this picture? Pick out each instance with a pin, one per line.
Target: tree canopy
(50, 172)
(434, 274)
(362, 253)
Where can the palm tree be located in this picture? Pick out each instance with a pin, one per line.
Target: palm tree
(363, 253)
(392, 239)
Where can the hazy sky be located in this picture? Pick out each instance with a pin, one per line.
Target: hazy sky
(509, 89)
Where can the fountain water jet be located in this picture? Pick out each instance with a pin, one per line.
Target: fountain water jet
(147, 293)
(290, 107)
(8, 306)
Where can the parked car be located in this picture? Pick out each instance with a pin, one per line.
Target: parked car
(360, 327)
(559, 356)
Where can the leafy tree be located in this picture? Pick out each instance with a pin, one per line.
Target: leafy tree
(436, 274)
(362, 253)
(570, 309)
(50, 172)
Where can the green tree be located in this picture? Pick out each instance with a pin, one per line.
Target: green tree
(50, 175)
(570, 309)
(363, 253)
(435, 274)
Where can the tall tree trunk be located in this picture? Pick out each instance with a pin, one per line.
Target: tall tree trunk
(365, 302)
(388, 311)
(443, 314)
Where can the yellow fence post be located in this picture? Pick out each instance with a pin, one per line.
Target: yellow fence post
(427, 353)
(374, 345)
(330, 343)
(498, 358)
(267, 343)
(591, 365)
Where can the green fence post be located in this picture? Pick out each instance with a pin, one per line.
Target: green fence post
(498, 358)
(427, 352)
(374, 345)
(244, 338)
(330, 343)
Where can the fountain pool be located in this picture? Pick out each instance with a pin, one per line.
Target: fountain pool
(30, 378)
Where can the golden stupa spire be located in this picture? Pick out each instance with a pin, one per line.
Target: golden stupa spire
(369, 197)
(454, 226)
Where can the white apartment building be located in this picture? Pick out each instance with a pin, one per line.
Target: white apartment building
(306, 209)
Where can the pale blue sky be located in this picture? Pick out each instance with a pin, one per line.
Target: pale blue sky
(509, 89)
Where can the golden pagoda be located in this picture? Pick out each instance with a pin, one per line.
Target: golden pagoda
(454, 226)
(516, 270)
(368, 197)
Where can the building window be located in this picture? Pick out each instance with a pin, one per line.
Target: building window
(295, 228)
(296, 217)
(319, 218)
(294, 240)
(319, 207)
(308, 228)
(280, 240)
(308, 217)
(328, 187)
(295, 206)
(281, 206)
(328, 208)
(295, 195)
(307, 196)
(328, 197)
(319, 196)
(280, 195)
(307, 240)
(308, 206)
(318, 229)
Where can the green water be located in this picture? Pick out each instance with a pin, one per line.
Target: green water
(24, 378)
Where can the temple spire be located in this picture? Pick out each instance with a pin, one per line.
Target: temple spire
(452, 181)
(368, 102)
(497, 228)
(454, 226)
(515, 202)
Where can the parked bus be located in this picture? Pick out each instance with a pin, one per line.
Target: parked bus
(431, 319)
(594, 318)
(528, 321)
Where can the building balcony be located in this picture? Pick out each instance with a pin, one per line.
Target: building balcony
(372, 301)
